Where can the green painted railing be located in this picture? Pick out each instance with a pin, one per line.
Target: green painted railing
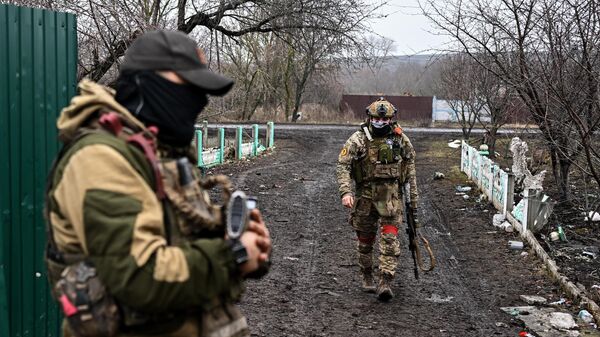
(213, 157)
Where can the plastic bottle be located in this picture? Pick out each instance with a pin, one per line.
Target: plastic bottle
(561, 233)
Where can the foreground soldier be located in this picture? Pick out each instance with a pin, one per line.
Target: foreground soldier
(379, 158)
(136, 247)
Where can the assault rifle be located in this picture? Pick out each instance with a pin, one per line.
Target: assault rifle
(411, 231)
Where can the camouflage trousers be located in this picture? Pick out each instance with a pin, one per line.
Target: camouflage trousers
(369, 215)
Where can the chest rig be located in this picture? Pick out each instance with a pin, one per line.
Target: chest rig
(380, 159)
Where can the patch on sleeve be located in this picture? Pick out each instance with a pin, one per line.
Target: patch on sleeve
(344, 152)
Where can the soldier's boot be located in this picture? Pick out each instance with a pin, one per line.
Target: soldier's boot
(368, 283)
(384, 289)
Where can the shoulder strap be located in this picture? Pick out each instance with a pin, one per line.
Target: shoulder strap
(365, 129)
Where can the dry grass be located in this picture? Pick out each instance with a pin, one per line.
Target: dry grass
(455, 175)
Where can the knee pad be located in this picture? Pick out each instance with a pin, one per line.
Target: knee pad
(389, 229)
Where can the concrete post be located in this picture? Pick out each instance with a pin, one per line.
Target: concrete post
(509, 197)
(530, 208)
(462, 155)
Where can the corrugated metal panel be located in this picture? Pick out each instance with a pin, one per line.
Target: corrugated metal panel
(38, 55)
(409, 107)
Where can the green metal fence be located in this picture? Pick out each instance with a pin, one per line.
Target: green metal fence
(38, 62)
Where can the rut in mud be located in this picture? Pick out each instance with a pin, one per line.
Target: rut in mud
(313, 287)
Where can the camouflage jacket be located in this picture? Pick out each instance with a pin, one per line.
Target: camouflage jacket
(358, 149)
(102, 204)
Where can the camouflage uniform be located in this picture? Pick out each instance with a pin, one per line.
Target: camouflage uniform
(378, 192)
(102, 207)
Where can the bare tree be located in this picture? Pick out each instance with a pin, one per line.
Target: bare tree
(249, 61)
(500, 102)
(458, 85)
(547, 52)
(107, 27)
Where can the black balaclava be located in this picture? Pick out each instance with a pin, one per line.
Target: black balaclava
(156, 101)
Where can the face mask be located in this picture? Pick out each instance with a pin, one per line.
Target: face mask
(379, 124)
(380, 128)
(156, 101)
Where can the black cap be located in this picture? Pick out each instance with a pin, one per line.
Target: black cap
(175, 51)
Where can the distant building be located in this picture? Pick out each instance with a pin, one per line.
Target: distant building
(424, 108)
(415, 108)
(442, 111)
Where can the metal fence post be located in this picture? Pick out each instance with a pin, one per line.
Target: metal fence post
(238, 143)
(221, 145)
(199, 147)
(254, 140)
(270, 134)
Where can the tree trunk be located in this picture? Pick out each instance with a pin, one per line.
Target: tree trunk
(560, 170)
(563, 185)
(466, 132)
(492, 142)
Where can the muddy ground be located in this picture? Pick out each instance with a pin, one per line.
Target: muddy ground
(313, 287)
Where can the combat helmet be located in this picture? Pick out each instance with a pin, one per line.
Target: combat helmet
(381, 108)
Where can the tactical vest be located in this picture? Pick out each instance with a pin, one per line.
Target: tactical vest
(189, 214)
(381, 159)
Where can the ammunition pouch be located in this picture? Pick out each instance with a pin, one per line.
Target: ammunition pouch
(379, 171)
(385, 154)
(357, 168)
(390, 153)
(357, 173)
(89, 309)
(386, 171)
(382, 161)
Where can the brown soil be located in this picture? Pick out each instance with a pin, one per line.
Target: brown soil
(313, 287)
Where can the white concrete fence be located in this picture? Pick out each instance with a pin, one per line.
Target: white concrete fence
(499, 185)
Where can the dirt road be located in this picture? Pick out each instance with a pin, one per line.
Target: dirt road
(313, 288)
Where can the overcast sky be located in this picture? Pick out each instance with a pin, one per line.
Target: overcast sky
(408, 28)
